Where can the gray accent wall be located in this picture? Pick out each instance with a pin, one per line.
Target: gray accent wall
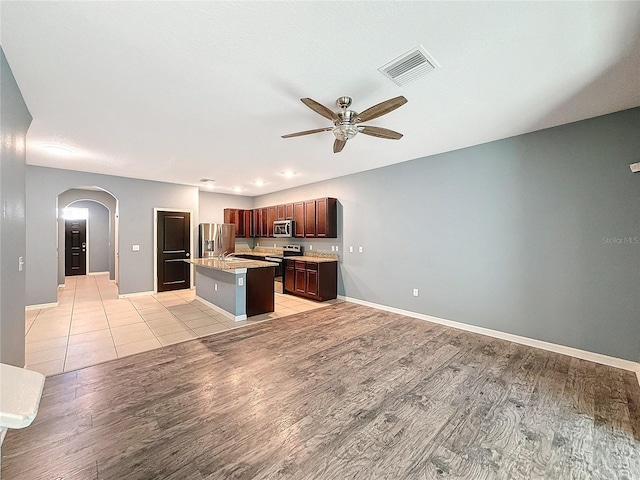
(535, 235)
(14, 123)
(137, 200)
(97, 236)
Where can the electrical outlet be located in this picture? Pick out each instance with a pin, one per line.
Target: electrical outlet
(360, 249)
(135, 248)
(333, 249)
(336, 248)
(310, 247)
(350, 248)
(215, 287)
(240, 282)
(274, 245)
(415, 292)
(20, 264)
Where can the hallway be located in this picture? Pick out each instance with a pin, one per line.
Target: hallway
(92, 325)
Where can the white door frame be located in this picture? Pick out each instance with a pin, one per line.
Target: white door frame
(155, 243)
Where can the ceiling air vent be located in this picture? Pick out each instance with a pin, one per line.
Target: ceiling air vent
(406, 68)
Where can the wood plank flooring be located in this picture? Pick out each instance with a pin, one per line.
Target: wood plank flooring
(344, 392)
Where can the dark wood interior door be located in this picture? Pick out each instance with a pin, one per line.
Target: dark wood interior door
(174, 245)
(75, 247)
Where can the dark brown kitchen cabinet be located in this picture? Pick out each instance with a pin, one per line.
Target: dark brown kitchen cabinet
(316, 218)
(241, 219)
(326, 218)
(248, 223)
(289, 277)
(310, 218)
(271, 217)
(288, 211)
(314, 280)
(257, 222)
(298, 219)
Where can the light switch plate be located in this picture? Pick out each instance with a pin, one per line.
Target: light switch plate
(240, 282)
(360, 249)
(351, 249)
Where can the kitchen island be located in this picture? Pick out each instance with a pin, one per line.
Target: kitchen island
(238, 288)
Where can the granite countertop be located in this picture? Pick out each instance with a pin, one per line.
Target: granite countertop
(231, 266)
(314, 258)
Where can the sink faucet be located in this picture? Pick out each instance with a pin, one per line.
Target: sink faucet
(224, 255)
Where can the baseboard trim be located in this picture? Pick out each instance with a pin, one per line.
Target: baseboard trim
(136, 294)
(235, 318)
(41, 305)
(98, 273)
(531, 342)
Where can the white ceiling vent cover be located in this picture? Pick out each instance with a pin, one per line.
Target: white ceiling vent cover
(409, 66)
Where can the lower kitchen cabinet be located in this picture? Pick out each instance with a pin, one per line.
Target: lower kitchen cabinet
(314, 280)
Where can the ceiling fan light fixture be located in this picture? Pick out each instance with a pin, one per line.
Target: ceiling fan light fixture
(345, 131)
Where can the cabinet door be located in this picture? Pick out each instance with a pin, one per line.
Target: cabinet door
(264, 232)
(256, 222)
(312, 282)
(321, 217)
(248, 223)
(231, 216)
(288, 211)
(271, 217)
(327, 218)
(298, 218)
(289, 278)
(310, 218)
(300, 280)
(280, 212)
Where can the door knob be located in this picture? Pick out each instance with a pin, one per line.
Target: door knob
(187, 254)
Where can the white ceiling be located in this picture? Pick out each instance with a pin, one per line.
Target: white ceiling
(178, 91)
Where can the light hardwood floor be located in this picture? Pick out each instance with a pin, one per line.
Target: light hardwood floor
(336, 393)
(92, 325)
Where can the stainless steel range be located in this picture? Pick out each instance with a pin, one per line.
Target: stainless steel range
(287, 251)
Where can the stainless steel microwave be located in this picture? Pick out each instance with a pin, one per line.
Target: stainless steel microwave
(283, 228)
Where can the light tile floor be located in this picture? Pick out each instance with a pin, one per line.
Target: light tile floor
(91, 324)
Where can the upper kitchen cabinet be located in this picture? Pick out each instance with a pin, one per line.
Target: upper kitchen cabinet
(298, 219)
(316, 218)
(288, 211)
(271, 217)
(241, 219)
(321, 218)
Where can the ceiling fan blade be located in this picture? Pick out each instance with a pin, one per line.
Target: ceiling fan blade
(319, 108)
(380, 132)
(381, 109)
(308, 132)
(338, 145)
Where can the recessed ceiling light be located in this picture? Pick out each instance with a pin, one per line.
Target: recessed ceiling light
(58, 150)
(237, 189)
(260, 183)
(288, 173)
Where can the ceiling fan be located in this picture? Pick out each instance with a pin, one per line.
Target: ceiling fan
(347, 122)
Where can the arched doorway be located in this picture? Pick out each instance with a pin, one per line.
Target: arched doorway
(102, 238)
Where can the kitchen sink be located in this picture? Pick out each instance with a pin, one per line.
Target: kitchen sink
(235, 259)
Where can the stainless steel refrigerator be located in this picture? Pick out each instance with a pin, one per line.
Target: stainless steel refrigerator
(217, 239)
